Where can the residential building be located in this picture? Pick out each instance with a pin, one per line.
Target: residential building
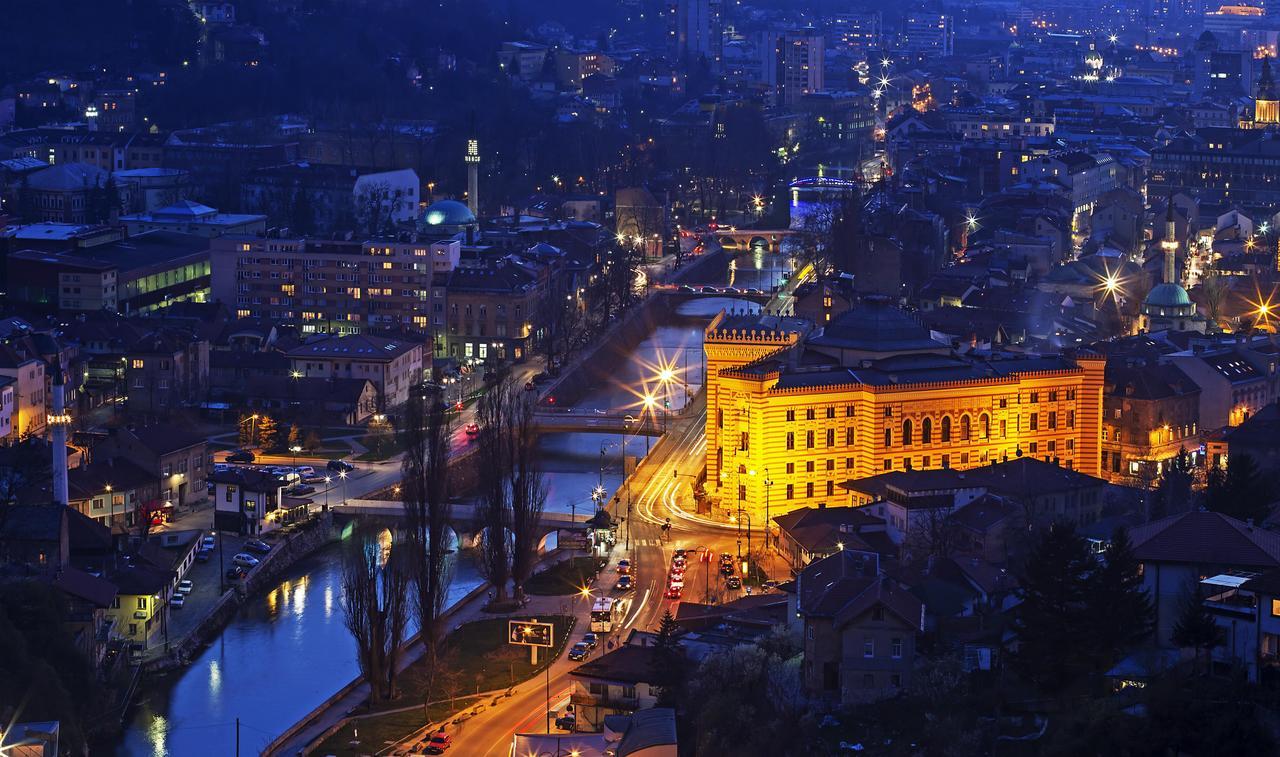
(34, 538)
(1220, 167)
(8, 385)
(928, 34)
(572, 66)
(615, 683)
(335, 197)
(114, 492)
(808, 534)
(1177, 551)
(251, 501)
(141, 607)
(489, 312)
(1258, 437)
(177, 458)
(393, 366)
(859, 629)
(872, 392)
(166, 370)
(523, 60)
(1086, 177)
(793, 64)
(1246, 609)
(1150, 413)
(71, 193)
(336, 287)
(28, 389)
(696, 32)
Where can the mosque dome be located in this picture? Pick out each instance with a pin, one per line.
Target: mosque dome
(446, 213)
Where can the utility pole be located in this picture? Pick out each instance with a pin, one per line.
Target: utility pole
(237, 737)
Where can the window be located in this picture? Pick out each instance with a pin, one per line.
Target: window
(791, 415)
(791, 440)
(808, 489)
(808, 414)
(809, 466)
(926, 431)
(791, 491)
(868, 647)
(138, 363)
(791, 467)
(868, 681)
(848, 411)
(907, 433)
(1053, 419)
(895, 680)
(1035, 397)
(831, 488)
(142, 603)
(946, 429)
(831, 437)
(808, 439)
(895, 648)
(831, 412)
(888, 438)
(743, 441)
(848, 437)
(1035, 421)
(888, 412)
(1275, 608)
(986, 426)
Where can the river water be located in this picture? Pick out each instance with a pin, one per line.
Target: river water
(286, 651)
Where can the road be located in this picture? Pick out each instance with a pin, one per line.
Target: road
(662, 481)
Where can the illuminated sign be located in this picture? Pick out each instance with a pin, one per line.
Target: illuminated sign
(529, 633)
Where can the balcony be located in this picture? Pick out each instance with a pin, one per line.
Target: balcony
(584, 699)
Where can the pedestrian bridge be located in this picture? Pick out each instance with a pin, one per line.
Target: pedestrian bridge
(550, 419)
(735, 240)
(466, 519)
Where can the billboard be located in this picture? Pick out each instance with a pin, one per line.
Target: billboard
(529, 633)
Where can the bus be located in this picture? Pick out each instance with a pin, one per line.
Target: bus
(607, 614)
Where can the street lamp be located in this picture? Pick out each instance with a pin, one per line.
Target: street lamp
(343, 475)
(327, 479)
(295, 449)
(768, 528)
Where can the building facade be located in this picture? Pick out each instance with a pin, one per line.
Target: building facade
(792, 416)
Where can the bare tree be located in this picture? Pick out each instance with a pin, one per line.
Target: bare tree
(528, 490)
(375, 607)
(425, 497)
(493, 451)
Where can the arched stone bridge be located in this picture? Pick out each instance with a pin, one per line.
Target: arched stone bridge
(464, 518)
(744, 239)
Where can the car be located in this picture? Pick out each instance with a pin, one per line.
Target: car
(673, 592)
(305, 470)
(177, 601)
(241, 456)
(681, 552)
(624, 584)
(679, 560)
(624, 566)
(439, 743)
(529, 386)
(710, 290)
(686, 288)
(733, 582)
(567, 722)
(579, 652)
(235, 572)
(185, 586)
(257, 545)
(245, 560)
(204, 555)
(677, 581)
(472, 429)
(340, 466)
(221, 467)
(299, 490)
(590, 639)
(726, 568)
(541, 377)
(677, 570)
(208, 542)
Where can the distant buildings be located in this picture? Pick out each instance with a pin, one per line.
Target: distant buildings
(393, 366)
(793, 64)
(317, 197)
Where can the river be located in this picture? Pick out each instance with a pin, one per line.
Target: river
(286, 651)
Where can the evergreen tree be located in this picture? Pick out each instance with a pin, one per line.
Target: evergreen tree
(1118, 605)
(268, 432)
(1052, 623)
(669, 665)
(1195, 628)
(1173, 492)
(1243, 491)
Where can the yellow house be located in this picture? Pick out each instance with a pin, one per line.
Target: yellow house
(141, 606)
(794, 411)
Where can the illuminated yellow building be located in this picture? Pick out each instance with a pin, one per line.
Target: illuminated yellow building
(794, 411)
(1266, 105)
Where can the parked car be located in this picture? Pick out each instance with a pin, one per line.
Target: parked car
(567, 722)
(185, 586)
(304, 471)
(579, 652)
(204, 555)
(221, 467)
(338, 466)
(624, 584)
(208, 542)
(245, 560)
(299, 490)
(177, 601)
(686, 288)
(257, 545)
(624, 566)
(590, 639)
(235, 572)
(439, 743)
(733, 582)
(709, 290)
(241, 456)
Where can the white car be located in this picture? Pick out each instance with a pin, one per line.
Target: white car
(245, 560)
(185, 586)
(177, 601)
(677, 582)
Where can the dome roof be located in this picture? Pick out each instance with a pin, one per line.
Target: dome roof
(447, 213)
(1168, 296)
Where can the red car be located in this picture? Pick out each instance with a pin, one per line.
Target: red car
(439, 743)
(674, 592)
(472, 429)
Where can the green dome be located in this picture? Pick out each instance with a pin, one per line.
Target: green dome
(447, 213)
(1168, 296)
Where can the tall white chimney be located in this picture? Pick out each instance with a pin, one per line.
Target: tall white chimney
(58, 423)
(472, 159)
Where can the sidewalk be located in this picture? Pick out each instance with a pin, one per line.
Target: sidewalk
(470, 609)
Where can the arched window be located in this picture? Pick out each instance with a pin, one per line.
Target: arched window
(888, 438)
(926, 431)
(964, 428)
(986, 426)
(906, 433)
(946, 428)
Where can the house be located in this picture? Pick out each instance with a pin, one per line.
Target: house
(393, 366)
(141, 606)
(318, 400)
(1177, 551)
(88, 600)
(616, 683)
(34, 538)
(1258, 438)
(114, 492)
(177, 457)
(807, 534)
(1247, 610)
(188, 217)
(859, 629)
(165, 370)
(252, 501)
(7, 429)
(27, 369)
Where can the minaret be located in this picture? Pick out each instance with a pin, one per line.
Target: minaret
(1169, 245)
(472, 159)
(58, 422)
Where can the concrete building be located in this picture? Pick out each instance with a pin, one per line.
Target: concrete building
(333, 197)
(27, 411)
(153, 188)
(793, 64)
(929, 34)
(489, 312)
(1151, 412)
(696, 32)
(394, 366)
(335, 287)
(187, 217)
(177, 458)
(873, 392)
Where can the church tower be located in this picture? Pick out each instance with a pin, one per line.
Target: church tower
(1266, 103)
